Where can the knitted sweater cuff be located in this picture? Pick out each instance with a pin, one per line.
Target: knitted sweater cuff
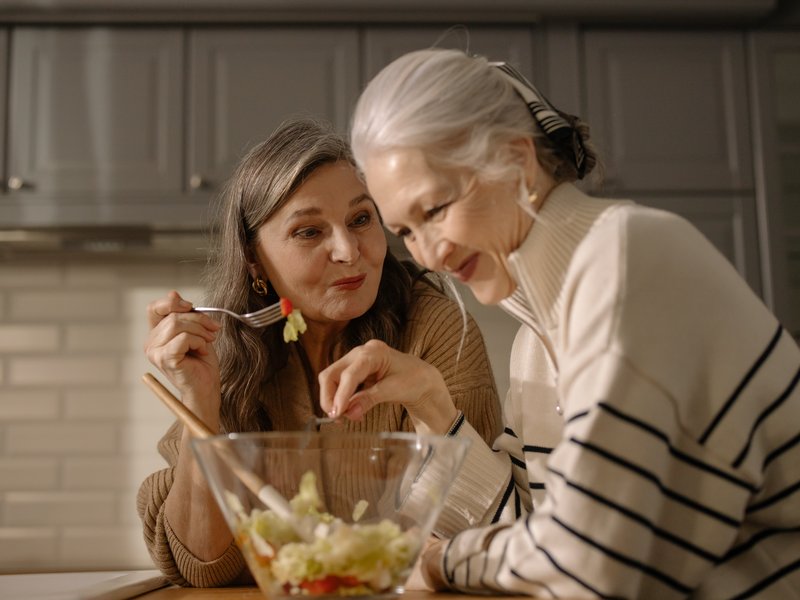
(477, 487)
(197, 573)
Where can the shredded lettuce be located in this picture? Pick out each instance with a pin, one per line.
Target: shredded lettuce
(342, 559)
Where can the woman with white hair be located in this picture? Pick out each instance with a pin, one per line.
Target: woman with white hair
(651, 439)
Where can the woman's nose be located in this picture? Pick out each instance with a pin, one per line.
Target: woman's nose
(344, 247)
(431, 252)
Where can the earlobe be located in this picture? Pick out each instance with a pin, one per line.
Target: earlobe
(525, 151)
(253, 269)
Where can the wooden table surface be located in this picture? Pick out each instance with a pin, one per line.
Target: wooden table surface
(253, 593)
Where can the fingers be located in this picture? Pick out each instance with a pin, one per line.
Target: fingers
(171, 303)
(177, 332)
(172, 354)
(340, 382)
(375, 373)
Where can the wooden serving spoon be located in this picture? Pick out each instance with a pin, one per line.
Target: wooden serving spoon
(263, 491)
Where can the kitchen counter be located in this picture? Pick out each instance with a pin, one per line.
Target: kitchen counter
(252, 593)
(150, 585)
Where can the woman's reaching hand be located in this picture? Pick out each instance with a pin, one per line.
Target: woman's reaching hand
(375, 373)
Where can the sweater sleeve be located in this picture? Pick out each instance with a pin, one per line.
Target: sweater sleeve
(169, 555)
(639, 504)
(494, 484)
(441, 337)
(438, 334)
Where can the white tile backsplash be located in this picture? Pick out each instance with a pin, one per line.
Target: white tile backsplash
(100, 369)
(26, 404)
(78, 429)
(26, 548)
(60, 439)
(104, 548)
(64, 305)
(30, 474)
(92, 337)
(34, 509)
(31, 274)
(29, 338)
(117, 473)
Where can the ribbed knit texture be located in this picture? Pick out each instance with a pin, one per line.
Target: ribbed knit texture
(434, 333)
(675, 469)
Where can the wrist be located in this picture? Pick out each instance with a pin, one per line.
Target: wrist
(435, 413)
(205, 407)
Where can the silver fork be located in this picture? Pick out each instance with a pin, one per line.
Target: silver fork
(260, 318)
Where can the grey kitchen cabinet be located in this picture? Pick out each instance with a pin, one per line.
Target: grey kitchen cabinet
(141, 126)
(94, 119)
(668, 109)
(512, 43)
(244, 82)
(3, 96)
(775, 76)
(669, 116)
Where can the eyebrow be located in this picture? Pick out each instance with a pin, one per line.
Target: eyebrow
(303, 212)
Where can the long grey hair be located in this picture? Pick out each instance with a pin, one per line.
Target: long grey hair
(262, 183)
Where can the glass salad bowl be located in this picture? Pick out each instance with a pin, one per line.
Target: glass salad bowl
(330, 514)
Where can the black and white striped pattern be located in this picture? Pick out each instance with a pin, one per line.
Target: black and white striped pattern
(549, 118)
(671, 477)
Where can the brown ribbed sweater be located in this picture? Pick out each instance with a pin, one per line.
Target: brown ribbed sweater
(433, 333)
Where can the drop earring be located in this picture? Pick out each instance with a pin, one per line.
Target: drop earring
(260, 286)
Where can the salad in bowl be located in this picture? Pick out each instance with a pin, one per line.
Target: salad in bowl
(360, 506)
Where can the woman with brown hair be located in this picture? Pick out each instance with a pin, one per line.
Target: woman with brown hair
(296, 223)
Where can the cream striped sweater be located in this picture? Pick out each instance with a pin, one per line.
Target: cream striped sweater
(675, 469)
(433, 333)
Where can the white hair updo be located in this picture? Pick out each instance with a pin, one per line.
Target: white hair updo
(458, 110)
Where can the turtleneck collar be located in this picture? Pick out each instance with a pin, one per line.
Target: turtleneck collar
(540, 264)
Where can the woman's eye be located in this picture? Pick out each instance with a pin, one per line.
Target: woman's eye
(307, 233)
(361, 220)
(436, 211)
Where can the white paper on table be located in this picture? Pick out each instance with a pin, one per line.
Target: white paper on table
(94, 585)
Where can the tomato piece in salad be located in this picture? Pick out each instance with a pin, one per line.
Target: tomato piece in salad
(329, 584)
(286, 307)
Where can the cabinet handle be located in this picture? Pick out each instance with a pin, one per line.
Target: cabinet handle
(17, 183)
(196, 182)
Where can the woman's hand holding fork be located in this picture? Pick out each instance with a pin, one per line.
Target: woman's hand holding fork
(181, 345)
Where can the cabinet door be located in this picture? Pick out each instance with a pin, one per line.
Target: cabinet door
(3, 96)
(244, 82)
(95, 112)
(512, 44)
(668, 110)
(776, 94)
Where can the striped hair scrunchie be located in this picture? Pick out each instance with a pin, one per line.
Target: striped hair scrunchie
(556, 125)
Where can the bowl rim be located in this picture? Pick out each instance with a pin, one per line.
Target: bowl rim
(354, 435)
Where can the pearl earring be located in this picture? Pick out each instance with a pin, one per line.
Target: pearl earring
(533, 197)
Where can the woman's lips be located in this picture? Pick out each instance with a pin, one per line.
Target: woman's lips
(466, 269)
(350, 283)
